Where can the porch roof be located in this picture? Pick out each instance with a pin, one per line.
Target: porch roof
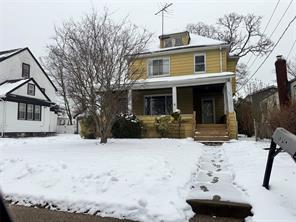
(184, 80)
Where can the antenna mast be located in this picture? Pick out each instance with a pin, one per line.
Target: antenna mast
(162, 10)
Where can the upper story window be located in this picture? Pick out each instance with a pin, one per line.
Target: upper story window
(31, 89)
(159, 67)
(199, 63)
(25, 70)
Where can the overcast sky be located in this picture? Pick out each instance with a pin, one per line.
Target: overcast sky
(31, 23)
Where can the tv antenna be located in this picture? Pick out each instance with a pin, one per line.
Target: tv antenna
(162, 11)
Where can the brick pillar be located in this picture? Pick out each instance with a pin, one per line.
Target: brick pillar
(282, 81)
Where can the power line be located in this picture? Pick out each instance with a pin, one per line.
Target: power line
(277, 4)
(291, 49)
(286, 29)
(273, 31)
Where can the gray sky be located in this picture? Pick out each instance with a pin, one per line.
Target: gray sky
(31, 22)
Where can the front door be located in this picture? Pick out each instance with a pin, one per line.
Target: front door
(208, 110)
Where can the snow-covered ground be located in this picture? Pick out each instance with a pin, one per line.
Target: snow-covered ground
(147, 179)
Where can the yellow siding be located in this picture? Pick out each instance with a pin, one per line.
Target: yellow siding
(182, 64)
(232, 125)
(231, 67)
(185, 99)
(138, 69)
(185, 130)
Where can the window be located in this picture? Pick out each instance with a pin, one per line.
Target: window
(173, 41)
(37, 113)
(30, 111)
(199, 63)
(159, 67)
(25, 70)
(158, 105)
(31, 89)
(22, 110)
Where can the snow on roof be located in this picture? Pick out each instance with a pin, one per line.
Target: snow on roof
(193, 79)
(195, 41)
(8, 86)
(5, 54)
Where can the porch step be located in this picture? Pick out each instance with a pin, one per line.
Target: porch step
(212, 138)
(211, 132)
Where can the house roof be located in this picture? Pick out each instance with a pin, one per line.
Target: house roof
(9, 53)
(6, 54)
(182, 81)
(269, 88)
(9, 86)
(195, 42)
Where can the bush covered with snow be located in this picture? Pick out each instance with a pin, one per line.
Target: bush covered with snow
(163, 125)
(88, 128)
(126, 126)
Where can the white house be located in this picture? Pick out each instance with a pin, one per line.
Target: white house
(27, 95)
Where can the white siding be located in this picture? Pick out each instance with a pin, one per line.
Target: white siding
(48, 121)
(22, 91)
(11, 68)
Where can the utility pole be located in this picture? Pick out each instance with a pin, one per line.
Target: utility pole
(162, 10)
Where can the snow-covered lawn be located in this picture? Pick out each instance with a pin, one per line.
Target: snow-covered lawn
(147, 179)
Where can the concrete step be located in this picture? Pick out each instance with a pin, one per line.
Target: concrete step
(211, 126)
(220, 209)
(204, 138)
(212, 132)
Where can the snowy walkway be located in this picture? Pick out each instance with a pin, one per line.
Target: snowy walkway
(214, 179)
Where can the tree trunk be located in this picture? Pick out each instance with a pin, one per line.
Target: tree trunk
(104, 138)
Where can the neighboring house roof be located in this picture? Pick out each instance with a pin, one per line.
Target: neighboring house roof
(184, 80)
(269, 88)
(9, 53)
(9, 86)
(195, 41)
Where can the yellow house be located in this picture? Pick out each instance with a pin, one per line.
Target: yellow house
(190, 73)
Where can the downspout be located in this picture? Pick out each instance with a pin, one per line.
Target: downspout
(221, 63)
(3, 116)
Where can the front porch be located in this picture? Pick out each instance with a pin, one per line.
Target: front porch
(206, 108)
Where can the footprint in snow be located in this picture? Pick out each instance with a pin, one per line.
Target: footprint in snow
(204, 188)
(215, 180)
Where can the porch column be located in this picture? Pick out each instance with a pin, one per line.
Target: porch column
(129, 101)
(229, 97)
(174, 92)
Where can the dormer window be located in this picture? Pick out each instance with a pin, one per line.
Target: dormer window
(25, 70)
(159, 67)
(173, 41)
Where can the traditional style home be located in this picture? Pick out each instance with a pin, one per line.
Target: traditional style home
(190, 73)
(27, 95)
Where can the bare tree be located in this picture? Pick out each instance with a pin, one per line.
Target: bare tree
(55, 68)
(291, 68)
(254, 86)
(241, 32)
(96, 54)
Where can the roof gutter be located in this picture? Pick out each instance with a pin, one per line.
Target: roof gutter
(181, 50)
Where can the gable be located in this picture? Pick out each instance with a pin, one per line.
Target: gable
(22, 90)
(11, 68)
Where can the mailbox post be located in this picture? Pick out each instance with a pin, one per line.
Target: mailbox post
(286, 142)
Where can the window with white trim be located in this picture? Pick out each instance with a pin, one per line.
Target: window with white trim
(30, 111)
(37, 113)
(158, 105)
(159, 67)
(199, 63)
(22, 110)
(31, 89)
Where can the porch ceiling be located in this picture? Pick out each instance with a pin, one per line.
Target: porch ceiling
(185, 80)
